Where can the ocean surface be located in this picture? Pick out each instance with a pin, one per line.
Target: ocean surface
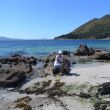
(44, 47)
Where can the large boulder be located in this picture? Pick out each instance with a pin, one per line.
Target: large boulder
(14, 70)
(13, 79)
(13, 75)
(102, 55)
(84, 50)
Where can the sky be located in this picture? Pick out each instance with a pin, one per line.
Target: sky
(46, 19)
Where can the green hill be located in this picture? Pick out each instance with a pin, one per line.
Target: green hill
(98, 28)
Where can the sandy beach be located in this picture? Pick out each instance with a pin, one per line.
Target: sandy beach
(93, 75)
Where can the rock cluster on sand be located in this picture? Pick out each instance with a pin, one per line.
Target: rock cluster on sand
(102, 55)
(99, 54)
(15, 69)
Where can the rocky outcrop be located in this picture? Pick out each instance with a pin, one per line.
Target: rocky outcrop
(16, 59)
(104, 89)
(84, 50)
(99, 54)
(15, 69)
(102, 55)
(49, 64)
(12, 79)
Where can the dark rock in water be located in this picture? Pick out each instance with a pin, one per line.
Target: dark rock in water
(66, 52)
(15, 55)
(83, 50)
(18, 53)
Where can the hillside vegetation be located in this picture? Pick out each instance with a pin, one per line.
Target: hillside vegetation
(97, 28)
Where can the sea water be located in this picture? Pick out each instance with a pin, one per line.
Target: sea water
(44, 47)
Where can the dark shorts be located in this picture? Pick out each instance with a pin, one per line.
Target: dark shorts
(57, 66)
(56, 69)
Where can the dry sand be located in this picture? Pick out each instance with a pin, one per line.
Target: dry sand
(93, 75)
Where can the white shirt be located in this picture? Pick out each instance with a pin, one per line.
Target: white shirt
(58, 60)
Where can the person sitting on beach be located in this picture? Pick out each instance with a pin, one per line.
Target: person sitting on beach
(60, 63)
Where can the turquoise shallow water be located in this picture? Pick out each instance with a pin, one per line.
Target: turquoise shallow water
(43, 47)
